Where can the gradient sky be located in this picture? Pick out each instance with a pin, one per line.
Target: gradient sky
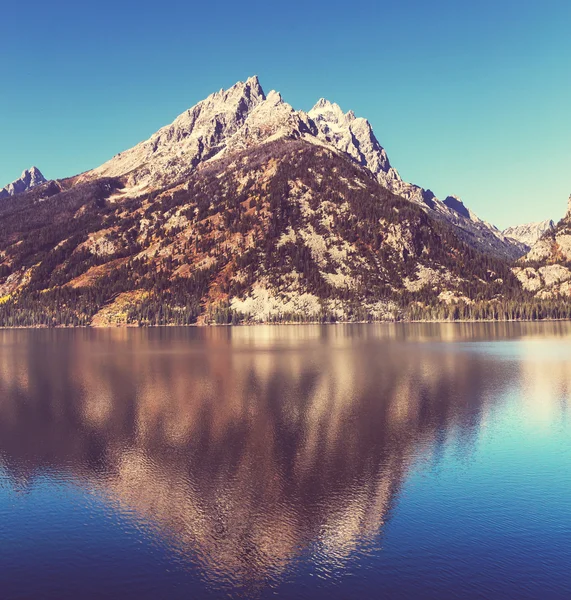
(469, 98)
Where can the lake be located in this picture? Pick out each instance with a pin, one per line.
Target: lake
(342, 461)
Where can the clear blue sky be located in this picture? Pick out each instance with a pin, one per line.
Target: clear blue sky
(469, 98)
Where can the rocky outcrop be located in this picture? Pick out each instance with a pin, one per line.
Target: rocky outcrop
(30, 178)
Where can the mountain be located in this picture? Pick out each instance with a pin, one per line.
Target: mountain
(529, 233)
(243, 116)
(354, 136)
(546, 269)
(284, 230)
(247, 210)
(30, 178)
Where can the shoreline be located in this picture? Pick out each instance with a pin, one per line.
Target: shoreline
(288, 323)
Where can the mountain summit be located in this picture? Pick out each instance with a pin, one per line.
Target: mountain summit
(193, 137)
(30, 178)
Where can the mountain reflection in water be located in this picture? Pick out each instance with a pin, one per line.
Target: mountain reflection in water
(248, 448)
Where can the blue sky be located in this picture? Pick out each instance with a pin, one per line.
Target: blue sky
(468, 98)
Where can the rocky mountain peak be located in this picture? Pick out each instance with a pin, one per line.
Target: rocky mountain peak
(242, 117)
(329, 112)
(457, 205)
(196, 135)
(30, 178)
(249, 89)
(350, 134)
(269, 120)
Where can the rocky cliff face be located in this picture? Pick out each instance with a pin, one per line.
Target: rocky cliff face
(30, 178)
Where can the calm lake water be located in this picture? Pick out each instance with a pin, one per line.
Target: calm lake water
(349, 461)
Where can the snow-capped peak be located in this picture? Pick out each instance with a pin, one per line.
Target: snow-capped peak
(30, 178)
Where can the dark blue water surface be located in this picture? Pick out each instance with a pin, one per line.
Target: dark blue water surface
(363, 461)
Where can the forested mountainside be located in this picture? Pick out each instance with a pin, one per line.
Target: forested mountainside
(244, 210)
(284, 231)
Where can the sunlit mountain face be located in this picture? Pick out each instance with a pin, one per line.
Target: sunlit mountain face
(247, 451)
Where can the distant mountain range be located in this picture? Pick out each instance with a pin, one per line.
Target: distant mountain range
(245, 209)
(529, 233)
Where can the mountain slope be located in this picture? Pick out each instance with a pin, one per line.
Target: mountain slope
(546, 269)
(279, 231)
(247, 210)
(30, 178)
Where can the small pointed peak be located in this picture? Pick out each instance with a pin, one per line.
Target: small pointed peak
(456, 204)
(30, 178)
(328, 110)
(321, 103)
(251, 87)
(274, 97)
(31, 171)
(33, 174)
(254, 84)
